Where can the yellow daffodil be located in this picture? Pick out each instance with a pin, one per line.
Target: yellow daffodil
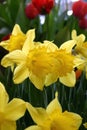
(65, 64)
(52, 118)
(81, 49)
(81, 45)
(42, 63)
(10, 111)
(16, 40)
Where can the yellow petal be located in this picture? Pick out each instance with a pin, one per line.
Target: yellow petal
(31, 34)
(4, 98)
(85, 124)
(51, 78)
(68, 45)
(69, 80)
(29, 44)
(37, 81)
(79, 39)
(71, 120)
(38, 115)
(54, 105)
(8, 125)
(33, 128)
(4, 44)
(78, 61)
(13, 57)
(20, 73)
(16, 30)
(50, 46)
(15, 109)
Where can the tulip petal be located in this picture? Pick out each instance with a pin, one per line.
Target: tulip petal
(69, 80)
(15, 109)
(39, 115)
(20, 73)
(4, 98)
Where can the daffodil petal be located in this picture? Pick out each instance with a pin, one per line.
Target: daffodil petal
(85, 124)
(54, 105)
(38, 115)
(8, 125)
(4, 98)
(16, 30)
(50, 46)
(37, 81)
(20, 73)
(68, 45)
(50, 78)
(71, 120)
(31, 34)
(13, 57)
(4, 44)
(78, 61)
(80, 38)
(29, 44)
(33, 128)
(69, 80)
(15, 109)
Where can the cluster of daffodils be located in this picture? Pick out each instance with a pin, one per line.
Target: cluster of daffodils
(50, 118)
(44, 64)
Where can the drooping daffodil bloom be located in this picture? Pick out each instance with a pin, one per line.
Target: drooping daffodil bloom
(53, 118)
(43, 63)
(11, 111)
(16, 40)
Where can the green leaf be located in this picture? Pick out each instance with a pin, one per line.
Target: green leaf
(13, 6)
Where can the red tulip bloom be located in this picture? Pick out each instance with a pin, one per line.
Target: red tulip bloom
(31, 11)
(83, 23)
(43, 6)
(79, 9)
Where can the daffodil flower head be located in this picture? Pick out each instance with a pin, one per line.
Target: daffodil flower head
(78, 38)
(52, 118)
(11, 111)
(16, 40)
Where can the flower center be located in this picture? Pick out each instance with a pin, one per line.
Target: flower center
(65, 62)
(40, 62)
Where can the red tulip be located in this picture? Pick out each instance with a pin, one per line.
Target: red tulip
(43, 6)
(79, 9)
(31, 11)
(83, 23)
